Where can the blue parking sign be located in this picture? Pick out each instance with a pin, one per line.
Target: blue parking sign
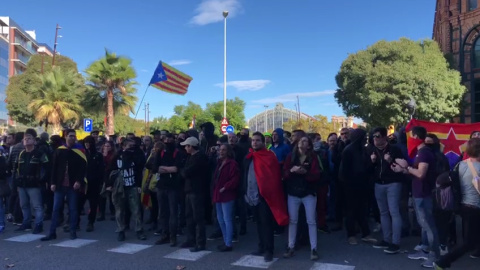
(230, 129)
(87, 125)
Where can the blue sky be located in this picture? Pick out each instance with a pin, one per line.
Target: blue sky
(277, 49)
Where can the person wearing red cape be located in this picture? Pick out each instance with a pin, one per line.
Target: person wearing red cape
(263, 189)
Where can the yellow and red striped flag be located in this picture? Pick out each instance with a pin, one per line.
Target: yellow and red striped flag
(170, 79)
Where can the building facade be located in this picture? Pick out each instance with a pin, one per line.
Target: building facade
(16, 48)
(456, 29)
(340, 122)
(271, 119)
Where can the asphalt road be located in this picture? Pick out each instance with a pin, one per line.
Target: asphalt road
(95, 250)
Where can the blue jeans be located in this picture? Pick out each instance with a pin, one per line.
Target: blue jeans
(2, 211)
(31, 198)
(388, 200)
(225, 220)
(425, 218)
(58, 200)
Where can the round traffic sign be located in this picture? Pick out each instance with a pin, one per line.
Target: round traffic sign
(230, 129)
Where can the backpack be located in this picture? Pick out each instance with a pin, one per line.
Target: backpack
(447, 193)
(442, 164)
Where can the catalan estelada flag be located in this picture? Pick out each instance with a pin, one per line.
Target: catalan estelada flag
(169, 79)
(453, 137)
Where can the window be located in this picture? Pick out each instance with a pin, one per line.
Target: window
(476, 54)
(472, 4)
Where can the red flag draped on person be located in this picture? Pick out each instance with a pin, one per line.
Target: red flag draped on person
(269, 179)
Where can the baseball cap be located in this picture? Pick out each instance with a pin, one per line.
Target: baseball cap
(190, 141)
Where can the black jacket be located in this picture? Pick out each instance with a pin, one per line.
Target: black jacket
(196, 173)
(381, 169)
(354, 164)
(33, 169)
(95, 169)
(77, 166)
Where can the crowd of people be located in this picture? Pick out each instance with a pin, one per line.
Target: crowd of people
(180, 183)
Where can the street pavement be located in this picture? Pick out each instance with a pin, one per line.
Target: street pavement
(101, 250)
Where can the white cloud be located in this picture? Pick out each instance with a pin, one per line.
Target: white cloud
(251, 85)
(293, 97)
(179, 62)
(211, 11)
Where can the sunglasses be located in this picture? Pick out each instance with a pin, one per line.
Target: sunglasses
(345, 133)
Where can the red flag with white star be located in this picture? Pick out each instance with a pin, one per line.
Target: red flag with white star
(453, 137)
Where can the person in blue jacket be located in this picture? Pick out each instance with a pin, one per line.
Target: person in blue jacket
(280, 149)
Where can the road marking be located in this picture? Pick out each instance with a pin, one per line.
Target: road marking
(186, 255)
(129, 248)
(25, 238)
(254, 261)
(329, 266)
(75, 243)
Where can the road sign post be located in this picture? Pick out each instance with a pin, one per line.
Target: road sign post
(224, 125)
(87, 125)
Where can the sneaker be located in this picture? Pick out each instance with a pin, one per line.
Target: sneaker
(419, 255)
(314, 255)
(443, 250)
(215, 236)
(141, 236)
(289, 253)
(225, 248)
(158, 232)
(73, 235)
(324, 229)
(197, 249)
(430, 263)
(392, 249)
(268, 257)
(235, 239)
(163, 240)
(421, 247)
(382, 244)
(369, 239)
(476, 254)
(437, 267)
(377, 228)
(2, 229)
(173, 242)
(49, 237)
(10, 218)
(121, 236)
(24, 228)
(278, 232)
(38, 229)
(89, 227)
(352, 241)
(187, 245)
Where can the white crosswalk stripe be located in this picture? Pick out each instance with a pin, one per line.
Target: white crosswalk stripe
(129, 248)
(254, 261)
(329, 266)
(25, 238)
(77, 243)
(186, 255)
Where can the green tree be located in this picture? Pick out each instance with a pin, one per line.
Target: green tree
(235, 113)
(159, 123)
(57, 98)
(319, 124)
(113, 78)
(376, 84)
(20, 87)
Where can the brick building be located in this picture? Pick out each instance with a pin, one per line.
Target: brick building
(456, 29)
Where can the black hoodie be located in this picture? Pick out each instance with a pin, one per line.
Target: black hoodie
(354, 164)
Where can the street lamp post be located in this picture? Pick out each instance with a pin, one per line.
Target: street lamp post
(412, 105)
(55, 44)
(225, 14)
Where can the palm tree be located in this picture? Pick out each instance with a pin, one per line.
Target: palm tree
(113, 78)
(57, 98)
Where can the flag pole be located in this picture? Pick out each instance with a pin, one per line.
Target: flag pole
(141, 101)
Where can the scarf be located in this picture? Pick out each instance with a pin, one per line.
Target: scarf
(268, 174)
